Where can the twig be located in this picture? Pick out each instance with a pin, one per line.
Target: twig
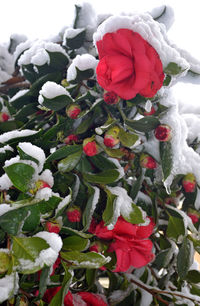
(5, 88)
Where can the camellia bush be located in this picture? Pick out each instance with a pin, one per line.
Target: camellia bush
(100, 173)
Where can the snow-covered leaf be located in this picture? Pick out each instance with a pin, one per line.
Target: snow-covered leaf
(20, 175)
(145, 125)
(70, 162)
(166, 158)
(104, 177)
(63, 152)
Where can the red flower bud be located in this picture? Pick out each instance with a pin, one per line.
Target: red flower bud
(146, 161)
(4, 117)
(163, 132)
(74, 214)
(52, 227)
(111, 137)
(90, 147)
(40, 184)
(70, 138)
(110, 141)
(110, 97)
(73, 111)
(193, 217)
(152, 111)
(189, 182)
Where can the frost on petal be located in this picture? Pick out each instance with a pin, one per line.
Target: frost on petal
(51, 90)
(82, 62)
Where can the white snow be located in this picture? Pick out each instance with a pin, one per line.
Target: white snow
(6, 63)
(51, 90)
(82, 62)
(5, 182)
(94, 203)
(21, 48)
(185, 159)
(71, 33)
(122, 205)
(4, 208)
(19, 94)
(37, 54)
(119, 168)
(63, 204)
(163, 14)
(53, 239)
(8, 286)
(47, 177)
(76, 187)
(35, 152)
(44, 194)
(150, 30)
(15, 134)
(6, 148)
(197, 200)
(148, 106)
(193, 124)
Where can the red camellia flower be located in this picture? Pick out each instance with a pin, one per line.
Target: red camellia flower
(163, 132)
(128, 65)
(92, 299)
(90, 148)
(148, 162)
(110, 141)
(74, 214)
(128, 241)
(110, 97)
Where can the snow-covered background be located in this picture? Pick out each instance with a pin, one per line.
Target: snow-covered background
(46, 18)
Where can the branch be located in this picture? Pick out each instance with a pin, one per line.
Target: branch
(155, 292)
(4, 89)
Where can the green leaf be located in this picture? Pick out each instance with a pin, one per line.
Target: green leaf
(185, 258)
(82, 75)
(11, 222)
(57, 103)
(127, 139)
(77, 41)
(166, 158)
(136, 216)
(173, 69)
(71, 231)
(101, 162)
(195, 242)
(28, 248)
(64, 152)
(84, 125)
(20, 175)
(163, 258)
(75, 243)
(104, 177)
(25, 111)
(58, 61)
(43, 281)
(69, 163)
(136, 186)
(145, 125)
(58, 299)
(175, 227)
(90, 260)
(193, 276)
(110, 206)
(116, 153)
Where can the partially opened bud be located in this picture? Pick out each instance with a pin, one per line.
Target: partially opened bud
(194, 217)
(5, 261)
(111, 138)
(147, 161)
(90, 147)
(163, 132)
(110, 97)
(4, 117)
(74, 214)
(189, 182)
(70, 138)
(73, 111)
(40, 184)
(52, 227)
